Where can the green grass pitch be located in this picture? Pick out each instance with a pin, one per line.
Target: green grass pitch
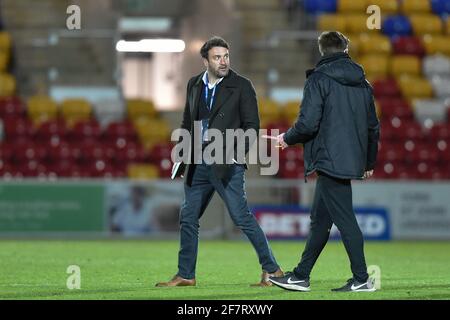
(129, 270)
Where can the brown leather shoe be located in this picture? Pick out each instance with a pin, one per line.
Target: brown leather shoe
(265, 278)
(177, 281)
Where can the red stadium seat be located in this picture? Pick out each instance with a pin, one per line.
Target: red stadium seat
(395, 107)
(18, 128)
(291, 154)
(28, 151)
(92, 152)
(408, 45)
(6, 151)
(440, 131)
(161, 151)
(85, 130)
(51, 130)
(386, 88)
(130, 153)
(11, 107)
(291, 169)
(116, 130)
(165, 168)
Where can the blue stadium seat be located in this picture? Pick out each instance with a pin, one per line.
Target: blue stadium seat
(397, 26)
(320, 6)
(440, 7)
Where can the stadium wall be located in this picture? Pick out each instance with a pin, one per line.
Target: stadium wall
(123, 208)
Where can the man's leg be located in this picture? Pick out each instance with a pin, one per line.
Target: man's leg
(234, 196)
(337, 194)
(318, 236)
(197, 198)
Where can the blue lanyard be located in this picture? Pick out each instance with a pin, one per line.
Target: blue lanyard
(212, 96)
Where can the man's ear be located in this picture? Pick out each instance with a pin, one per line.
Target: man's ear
(205, 62)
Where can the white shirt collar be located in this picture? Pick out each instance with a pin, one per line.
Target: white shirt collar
(205, 81)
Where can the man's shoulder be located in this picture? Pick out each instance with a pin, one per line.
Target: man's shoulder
(239, 79)
(195, 78)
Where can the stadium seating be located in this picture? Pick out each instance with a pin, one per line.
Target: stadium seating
(11, 107)
(374, 44)
(436, 44)
(345, 6)
(386, 87)
(7, 85)
(290, 111)
(408, 45)
(75, 110)
(320, 6)
(441, 85)
(426, 24)
(331, 22)
(405, 64)
(415, 6)
(440, 7)
(386, 6)
(41, 109)
(143, 171)
(375, 65)
(396, 25)
(415, 87)
(357, 23)
(436, 64)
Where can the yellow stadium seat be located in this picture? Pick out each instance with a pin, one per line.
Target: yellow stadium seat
(74, 110)
(426, 24)
(437, 44)
(329, 22)
(405, 64)
(291, 111)
(447, 27)
(41, 109)
(374, 44)
(354, 45)
(151, 131)
(268, 109)
(5, 41)
(374, 65)
(345, 6)
(415, 87)
(137, 108)
(142, 171)
(357, 23)
(7, 85)
(415, 6)
(4, 60)
(386, 6)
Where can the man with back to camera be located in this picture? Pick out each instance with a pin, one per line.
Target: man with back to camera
(339, 128)
(221, 99)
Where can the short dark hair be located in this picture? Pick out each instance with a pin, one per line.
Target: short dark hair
(213, 42)
(332, 41)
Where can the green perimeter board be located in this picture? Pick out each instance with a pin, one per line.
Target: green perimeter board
(51, 207)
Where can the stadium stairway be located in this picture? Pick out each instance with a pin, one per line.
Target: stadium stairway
(73, 60)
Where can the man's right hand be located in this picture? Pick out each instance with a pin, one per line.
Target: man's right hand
(368, 174)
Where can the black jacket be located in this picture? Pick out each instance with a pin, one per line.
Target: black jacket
(235, 107)
(337, 123)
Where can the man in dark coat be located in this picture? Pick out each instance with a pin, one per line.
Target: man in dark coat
(220, 99)
(340, 130)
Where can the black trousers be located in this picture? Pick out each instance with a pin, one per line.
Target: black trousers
(333, 204)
